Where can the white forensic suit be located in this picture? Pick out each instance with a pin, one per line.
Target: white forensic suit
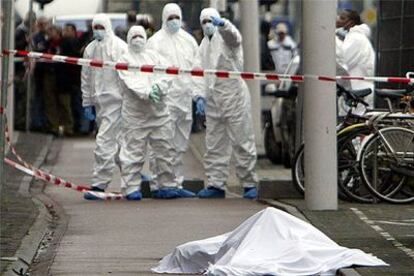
(144, 122)
(282, 52)
(179, 49)
(101, 88)
(359, 59)
(228, 109)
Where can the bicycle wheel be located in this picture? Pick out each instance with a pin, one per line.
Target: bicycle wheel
(349, 177)
(298, 170)
(387, 159)
(298, 173)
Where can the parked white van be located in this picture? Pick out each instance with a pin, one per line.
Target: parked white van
(81, 21)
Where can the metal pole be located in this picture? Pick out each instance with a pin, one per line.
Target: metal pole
(5, 43)
(320, 105)
(249, 10)
(29, 91)
(10, 91)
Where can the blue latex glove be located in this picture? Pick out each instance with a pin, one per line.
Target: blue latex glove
(155, 94)
(88, 112)
(217, 21)
(200, 106)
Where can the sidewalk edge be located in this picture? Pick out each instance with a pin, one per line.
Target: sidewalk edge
(30, 243)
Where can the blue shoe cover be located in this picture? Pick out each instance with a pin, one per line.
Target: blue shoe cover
(90, 196)
(183, 193)
(145, 177)
(250, 193)
(166, 193)
(211, 192)
(137, 195)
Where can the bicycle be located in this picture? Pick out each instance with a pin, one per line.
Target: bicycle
(352, 126)
(350, 135)
(387, 159)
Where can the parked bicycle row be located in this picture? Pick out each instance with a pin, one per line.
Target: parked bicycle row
(375, 149)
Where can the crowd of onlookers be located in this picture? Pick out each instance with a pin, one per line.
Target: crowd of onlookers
(56, 101)
(55, 98)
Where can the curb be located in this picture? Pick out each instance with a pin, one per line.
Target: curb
(24, 188)
(26, 253)
(295, 212)
(28, 248)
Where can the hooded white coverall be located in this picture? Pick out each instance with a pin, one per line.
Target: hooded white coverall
(359, 59)
(144, 122)
(282, 52)
(101, 88)
(179, 49)
(228, 110)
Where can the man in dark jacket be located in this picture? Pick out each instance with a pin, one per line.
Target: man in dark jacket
(39, 43)
(69, 78)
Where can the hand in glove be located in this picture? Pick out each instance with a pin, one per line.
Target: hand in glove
(155, 94)
(88, 112)
(217, 21)
(200, 104)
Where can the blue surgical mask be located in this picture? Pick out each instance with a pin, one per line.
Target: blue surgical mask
(341, 33)
(209, 29)
(173, 25)
(99, 34)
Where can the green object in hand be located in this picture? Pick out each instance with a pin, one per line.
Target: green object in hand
(155, 94)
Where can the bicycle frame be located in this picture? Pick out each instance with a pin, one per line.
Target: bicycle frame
(402, 158)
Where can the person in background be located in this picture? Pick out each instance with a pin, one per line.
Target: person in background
(228, 109)
(145, 122)
(101, 89)
(86, 37)
(131, 20)
(265, 57)
(57, 94)
(69, 78)
(282, 48)
(39, 44)
(22, 40)
(146, 22)
(358, 53)
(179, 49)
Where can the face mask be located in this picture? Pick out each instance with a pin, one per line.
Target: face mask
(341, 33)
(173, 25)
(137, 44)
(99, 34)
(209, 29)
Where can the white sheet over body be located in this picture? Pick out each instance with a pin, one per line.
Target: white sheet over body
(271, 242)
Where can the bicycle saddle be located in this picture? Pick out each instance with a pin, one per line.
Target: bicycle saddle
(361, 92)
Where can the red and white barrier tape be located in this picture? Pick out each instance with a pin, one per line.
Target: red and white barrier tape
(56, 181)
(155, 69)
(52, 179)
(39, 173)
